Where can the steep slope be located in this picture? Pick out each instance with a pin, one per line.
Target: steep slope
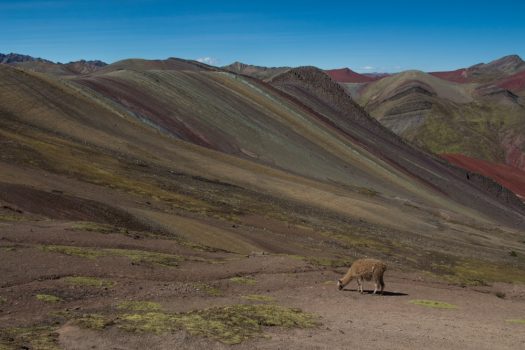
(255, 71)
(510, 177)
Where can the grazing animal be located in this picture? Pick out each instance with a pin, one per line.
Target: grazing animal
(365, 269)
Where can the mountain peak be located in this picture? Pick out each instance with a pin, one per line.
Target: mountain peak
(346, 75)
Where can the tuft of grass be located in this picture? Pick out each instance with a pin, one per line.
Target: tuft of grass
(95, 227)
(92, 321)
(134, 305)
(513, 254)
(48, 298)
(12, 218)
(85, 281)
(244, 280)
(136, 256)
(206, 288)
(433, 304)
(38, 338)
(89, 253)
(257, 297)
(517, 321)
(3, 300)
(139, 256)
(229, 324)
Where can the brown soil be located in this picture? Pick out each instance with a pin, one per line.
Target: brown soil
(348, 319)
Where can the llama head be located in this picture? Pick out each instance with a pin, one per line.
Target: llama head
(340, 284)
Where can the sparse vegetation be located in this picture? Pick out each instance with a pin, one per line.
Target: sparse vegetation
(433, 304)
(38, 338)
(244, 280)
(513, 253)
(230, 324)
(257, 297)
(95, 227)
(3, 300)
(136, 256)
(48, 298)
(92, 321)
(517, 321)
(85, 281)
(206, 288)
(134, 305)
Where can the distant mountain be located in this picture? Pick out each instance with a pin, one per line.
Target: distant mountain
(13, 58)
(485, 72)
(49, 67)
(346, 75)
(478, 112)
(255, 71)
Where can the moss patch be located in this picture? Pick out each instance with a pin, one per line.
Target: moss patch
(48, 298)
(3, 300)
(95, 227)
(210, 290)
(85, 281)
(518, 321)
(433, 304)
(243, 280)
(137, 256)
(134, 305)
(230, 324)
(38, 338)
(257, 297)
(92, 321)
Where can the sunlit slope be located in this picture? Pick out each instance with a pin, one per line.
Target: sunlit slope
(447, 117)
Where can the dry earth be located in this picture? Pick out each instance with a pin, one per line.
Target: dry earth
(346, 319)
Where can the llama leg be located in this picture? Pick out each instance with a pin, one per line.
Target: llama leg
(382, 283)
(359, 285)
(375, 287)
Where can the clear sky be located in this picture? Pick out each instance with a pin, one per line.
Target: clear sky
(381, 35)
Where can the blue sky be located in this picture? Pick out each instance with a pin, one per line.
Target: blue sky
(363, 35)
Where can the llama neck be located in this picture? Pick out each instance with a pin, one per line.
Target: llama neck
(347, 278)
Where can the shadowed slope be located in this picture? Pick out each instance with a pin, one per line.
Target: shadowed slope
(510, 177)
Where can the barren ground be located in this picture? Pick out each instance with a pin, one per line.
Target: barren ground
(480, 319)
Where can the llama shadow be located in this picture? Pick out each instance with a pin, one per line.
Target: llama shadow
(385, 293)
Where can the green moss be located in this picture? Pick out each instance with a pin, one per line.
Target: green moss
(257, 297)
(517, 321)
(433, 304)
(137, 256)
(37, 338)
(85, 281)
(478, 272)
(48, 298)
(229, 324)
(3, 300)
(243, 280)
(210, 290)
(134, 305)
(11, 218)
(92, 321)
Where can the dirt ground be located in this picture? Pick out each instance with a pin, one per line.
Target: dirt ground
(479, 318)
